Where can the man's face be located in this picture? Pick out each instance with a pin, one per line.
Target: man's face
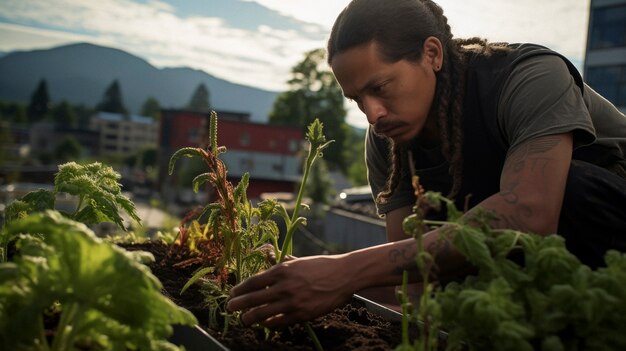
(395, 97)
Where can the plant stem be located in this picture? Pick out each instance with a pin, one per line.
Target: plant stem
(287, 247)
(65, 331)
(311, 332)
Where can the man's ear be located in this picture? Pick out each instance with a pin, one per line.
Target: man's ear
(433, 53)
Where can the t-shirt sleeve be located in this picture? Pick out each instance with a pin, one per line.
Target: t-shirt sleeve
(378, 168)
(540, 97)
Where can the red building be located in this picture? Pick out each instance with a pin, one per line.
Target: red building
(270, 154)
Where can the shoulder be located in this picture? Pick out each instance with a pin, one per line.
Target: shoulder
(541, 96)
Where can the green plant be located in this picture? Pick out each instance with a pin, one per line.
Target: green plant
(241, 229)
(96, 188)
(106, 297)
(547, 300)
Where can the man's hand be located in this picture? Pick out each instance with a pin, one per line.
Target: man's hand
(294, 291)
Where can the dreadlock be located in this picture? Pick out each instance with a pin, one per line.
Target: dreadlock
(400, 29)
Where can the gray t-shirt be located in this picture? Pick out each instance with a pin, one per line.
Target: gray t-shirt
(540, 97)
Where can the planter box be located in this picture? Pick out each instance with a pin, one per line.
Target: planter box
(196, 339)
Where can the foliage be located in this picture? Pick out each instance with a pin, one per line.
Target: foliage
(13, 112)
(357, 171)
(320, 188)
(151, 108)
(96, 187)
(63, 114)
(107, 299)
(200, 100)
(68, 149)
(313, 91)
(530, 292)
(39, 105)
(241, 229)
(112, 100)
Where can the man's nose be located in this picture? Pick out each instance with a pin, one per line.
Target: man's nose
(374, 110)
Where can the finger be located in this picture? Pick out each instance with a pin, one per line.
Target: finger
(256, 282)
(252, 299)
(262, 313)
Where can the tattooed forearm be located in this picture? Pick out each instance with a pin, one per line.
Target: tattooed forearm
(403, 258)
(528, 158)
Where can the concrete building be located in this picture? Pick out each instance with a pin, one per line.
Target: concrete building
(124, 135)
(605, 60)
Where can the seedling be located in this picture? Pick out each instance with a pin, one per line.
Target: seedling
(242, 229)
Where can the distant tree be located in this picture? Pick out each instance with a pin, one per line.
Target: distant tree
(320, 186)
(6, 143)
(13, 112)
(151, 108)
(83, 114)
(63, 114)
(68, 150)
(112, 100)
(357, 172)
(39, 105)
(314, 93)
(200, 100)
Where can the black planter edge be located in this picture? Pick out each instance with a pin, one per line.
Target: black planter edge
(196, 339)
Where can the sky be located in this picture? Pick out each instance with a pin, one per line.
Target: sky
(256, 42)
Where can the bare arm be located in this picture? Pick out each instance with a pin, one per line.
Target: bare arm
(530, 197)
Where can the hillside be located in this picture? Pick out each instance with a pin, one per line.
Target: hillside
(80, 73)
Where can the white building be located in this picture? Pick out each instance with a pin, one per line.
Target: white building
(124, 135)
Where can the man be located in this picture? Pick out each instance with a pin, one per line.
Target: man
(510, 129)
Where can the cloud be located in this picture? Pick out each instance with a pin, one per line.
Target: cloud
(262, 57)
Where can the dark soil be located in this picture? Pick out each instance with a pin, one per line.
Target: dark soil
(351, 327)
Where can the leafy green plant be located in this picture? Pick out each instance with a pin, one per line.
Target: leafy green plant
(107, 297)
(242, 230)
(96, 188)
(529, 292)
(104, 297)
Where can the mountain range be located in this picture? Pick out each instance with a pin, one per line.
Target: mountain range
(80, 73)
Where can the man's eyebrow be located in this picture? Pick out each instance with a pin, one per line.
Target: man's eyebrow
(373, 81)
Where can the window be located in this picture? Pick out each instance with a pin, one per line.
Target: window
(610, 82)
(608, 27)
(244, 139)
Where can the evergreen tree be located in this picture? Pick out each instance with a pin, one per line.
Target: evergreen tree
(39, 105)
(112, 100)
(151, 108)
(68, 150)
(200, 100)
(63, 114)
(314, 93)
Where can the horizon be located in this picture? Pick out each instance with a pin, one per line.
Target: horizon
(256, 42)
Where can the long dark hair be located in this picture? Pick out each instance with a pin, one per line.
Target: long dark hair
(400, 27)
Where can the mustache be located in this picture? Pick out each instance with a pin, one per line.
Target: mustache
(385, 125)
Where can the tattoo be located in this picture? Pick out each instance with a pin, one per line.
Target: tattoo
(527, 157)
(403, 258)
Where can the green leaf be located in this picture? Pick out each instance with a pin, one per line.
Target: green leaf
(40, 200)
(71, 265)
(201, 179)
(187, 152)
(471, 243)
(197, 275)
